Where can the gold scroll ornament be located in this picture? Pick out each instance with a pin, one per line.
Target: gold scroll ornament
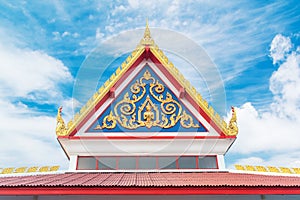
(164, 114)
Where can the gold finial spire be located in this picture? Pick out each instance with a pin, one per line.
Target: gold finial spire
(147, 40)
(147, 34)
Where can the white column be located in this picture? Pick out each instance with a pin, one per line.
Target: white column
(221, 162)
(73, 163)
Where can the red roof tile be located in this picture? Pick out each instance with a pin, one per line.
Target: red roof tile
(193, 183)
(163, 179)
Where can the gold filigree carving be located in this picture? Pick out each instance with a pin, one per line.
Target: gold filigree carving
(109, 122)
(165, 114)
(61, 129)
(232, 126)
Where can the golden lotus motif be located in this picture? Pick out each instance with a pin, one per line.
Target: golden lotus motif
(165, 113)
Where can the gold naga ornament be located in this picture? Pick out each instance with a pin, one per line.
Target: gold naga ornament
(166, 114)
(232, 126)
(61, 128)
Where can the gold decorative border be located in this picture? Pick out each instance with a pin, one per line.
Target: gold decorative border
(191, 90)
(104, 89)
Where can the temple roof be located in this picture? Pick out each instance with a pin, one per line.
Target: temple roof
(161, 183)
(144, 50)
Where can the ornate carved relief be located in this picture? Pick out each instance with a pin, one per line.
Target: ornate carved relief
(147, 105)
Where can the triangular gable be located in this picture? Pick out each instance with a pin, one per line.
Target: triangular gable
(147, 49)
(146, 104)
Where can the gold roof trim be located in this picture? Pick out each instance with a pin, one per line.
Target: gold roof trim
(104, 89)
(191, 90)
(260, 168)
(13, 170)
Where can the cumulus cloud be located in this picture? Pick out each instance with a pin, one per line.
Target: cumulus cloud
(264, 132)
(279, 160)
(27, 139)
(275, 130)
(280, 46)
(27, 134)
(24, 71)
(285, 84)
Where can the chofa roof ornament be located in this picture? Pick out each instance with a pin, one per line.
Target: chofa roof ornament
(61, 128)
(232, 126)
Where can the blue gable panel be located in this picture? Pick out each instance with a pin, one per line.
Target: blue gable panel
(147, 105)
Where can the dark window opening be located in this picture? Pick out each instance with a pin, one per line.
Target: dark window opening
(107, 163)
(187, 162)
(208, 162)
(167, 163)
(149, 162)
(86, 163)
(127, 163)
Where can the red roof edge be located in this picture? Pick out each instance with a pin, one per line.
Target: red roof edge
(148, 190)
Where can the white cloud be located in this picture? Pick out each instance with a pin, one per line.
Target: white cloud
(24, 71)
(277, 129)
(60, 10)
(280, 46)
(290, 159)
(249, 161)
(66, 33)
(99, 34)
(69, 106)
(26, 139)
(56, 35)
(285, 84)
(134, 3)
(27, 135)
(226, 30)
(174, 8)
(118, 9)
(75, 35)
(264, 131)
(109, 28)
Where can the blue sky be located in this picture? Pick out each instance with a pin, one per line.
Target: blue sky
(255, 47)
